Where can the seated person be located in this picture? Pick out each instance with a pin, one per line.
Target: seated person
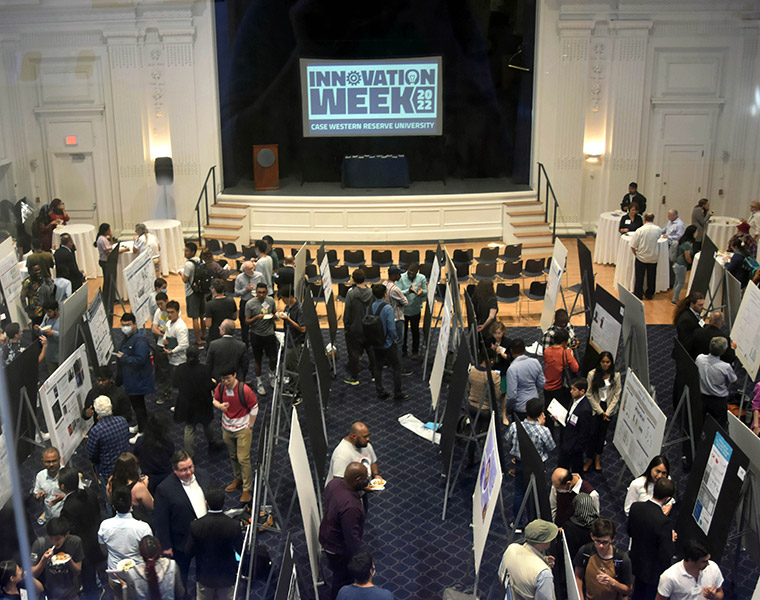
(632, 221)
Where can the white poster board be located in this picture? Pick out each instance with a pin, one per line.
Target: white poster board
(62, 396)
(324, 270)
(99, 330)
(5, 472)
(572, 585)
(635, 334)
(556, 269)
(435, 276)
(139, 276)
(487, 489)
(307, 498)
(11, 281)
(640, 426)
(605, 331)
(441, 350)
(746, 333)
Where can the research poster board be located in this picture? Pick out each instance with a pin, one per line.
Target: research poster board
(733, 298)
(300, 271)
(748, 515)
(287, 580)
(640, 425)
(324, 270)
(700, 277)
(453, 408)
(607, 322)
(11, 282)
(635, 335)
(315, 419)
(5, 472)
(487, 489)
(72, 311)
(100, 332)
(556, 269)
(746, 333)
(62, 396)
(533, 464)
(435, 276)
(587, 279)
(572, 586)
(439, 362)
(139, 276)
(307, 498)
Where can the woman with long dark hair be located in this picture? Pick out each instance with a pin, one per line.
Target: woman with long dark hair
(485, 303)
(158, 578)
(700, 215)
(154, 449)
(603, 394)
(58, 212)
(642, 488)
(12, 582)
(42, 228)
(684, 260)
(126, 473)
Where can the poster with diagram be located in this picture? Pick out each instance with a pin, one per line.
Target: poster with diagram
(139, 276)
(712, 482)
(62, 396)
(99, 330)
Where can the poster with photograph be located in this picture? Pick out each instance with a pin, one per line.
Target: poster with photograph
(439, 362)
(99, 330)
(640, 426)
(62, 396)
(10, 277)
(486, 492)
(556, 269)
(139, 276)
(324, 271)
(605, 331)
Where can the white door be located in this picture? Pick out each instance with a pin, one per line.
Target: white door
(74, 182)
(683, 180)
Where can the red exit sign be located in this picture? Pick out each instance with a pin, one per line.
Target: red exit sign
(71, 140)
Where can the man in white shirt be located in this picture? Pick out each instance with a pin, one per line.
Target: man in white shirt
(565, 486)
(696, 577)
(161, 359)
(644, 246)
(754, 219)
(264, 265)
(46, 483)
(715, 377)
(120, 535)
(145, 241)
(355, 447)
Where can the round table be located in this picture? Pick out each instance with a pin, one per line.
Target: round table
(716, 277)
(722, 229)
(124, 259)
(169, 234)
(607, 237)
(625, 270)
(83, 235)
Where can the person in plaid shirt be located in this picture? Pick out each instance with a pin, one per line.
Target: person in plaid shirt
(561, 321)
(107, 439)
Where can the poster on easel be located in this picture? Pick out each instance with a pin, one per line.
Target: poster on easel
(444, 332)
(556, 269)
(640, 428)
(487, 489)
(62, 397)
(139, 276)
(746, 333)
(11, 282)
(100, 332)
(287, 581)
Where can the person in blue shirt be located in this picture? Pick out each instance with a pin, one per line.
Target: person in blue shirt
(414, 286)
(362, 569)
(136, 368)
(525, 379)
(389, 351)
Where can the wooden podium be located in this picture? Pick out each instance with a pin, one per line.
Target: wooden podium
(266, 167)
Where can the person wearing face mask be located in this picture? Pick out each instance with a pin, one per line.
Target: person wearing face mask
(66, 262)
(136, 368)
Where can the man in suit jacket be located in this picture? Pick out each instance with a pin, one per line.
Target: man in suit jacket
(700, 339)
(634, 196)
(66, 263)
(81, 509)
(690, 319)
(577, 435)
(213, 541)
(652, 536)
(179, 501)
(227, 352)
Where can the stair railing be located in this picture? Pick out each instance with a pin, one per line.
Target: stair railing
(204, 196)
(549, 190)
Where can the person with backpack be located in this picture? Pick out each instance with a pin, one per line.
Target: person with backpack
(358, 300)
(197, 279)
(239, 407)
(379, 328)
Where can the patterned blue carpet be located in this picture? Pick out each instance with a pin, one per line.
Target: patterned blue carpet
(417, 555)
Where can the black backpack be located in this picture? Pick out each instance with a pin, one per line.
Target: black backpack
(202, 278)
(372, 327)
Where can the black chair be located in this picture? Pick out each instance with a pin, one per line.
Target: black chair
(407, 257)
(213, 246)
(548, 266)
(231, 251)
(511, 270)
(342, 291)
(488, 256)
(429, 257)
(512, 253)
(470, 290)
(339, 273)
(382, 258)
(485, 272)
(309, 259)
(249, 252)
(535, 293)
(508, 293)
(317, 292)
(371, 273)
(312, 273)
(354, 258)
(332, 258)
(462, 257)
(280, 253)
(440, 292)
(222, 263)
(463, 272)
(426, 269)
(534, 267)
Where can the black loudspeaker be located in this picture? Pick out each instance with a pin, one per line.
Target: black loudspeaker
(164, 169)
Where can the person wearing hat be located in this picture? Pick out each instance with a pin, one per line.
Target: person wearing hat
(744, 237)
(529, 568)
(397, 299)
(577, 528)
(754, 219)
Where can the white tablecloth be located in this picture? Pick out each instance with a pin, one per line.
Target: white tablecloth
(83, 235)
(716, 279)
(625, 270)
(722, 229)
(169, 233)
(607, 238)
(124, 259)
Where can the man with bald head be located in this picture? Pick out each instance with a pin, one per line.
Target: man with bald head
(342, 527)
(700, 341)
(566, 485)
(245, 288)
(355, 447)
(227, 352)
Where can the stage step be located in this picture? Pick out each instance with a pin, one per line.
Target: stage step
(537, 246)
(530, 224)
(221, 238)
(223, 226)
(237, 206)
(526, 213)
(213, 215)
(522, 203)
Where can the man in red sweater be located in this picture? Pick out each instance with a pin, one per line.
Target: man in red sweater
(239, 408)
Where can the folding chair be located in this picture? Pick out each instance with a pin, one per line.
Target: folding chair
(354, 258)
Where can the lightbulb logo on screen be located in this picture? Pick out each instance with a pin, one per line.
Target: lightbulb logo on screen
(366, 98)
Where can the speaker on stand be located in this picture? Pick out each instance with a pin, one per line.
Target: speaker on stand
(266, 168)
(163, 167)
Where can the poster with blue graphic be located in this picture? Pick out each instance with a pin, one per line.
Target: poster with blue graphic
(712, 482)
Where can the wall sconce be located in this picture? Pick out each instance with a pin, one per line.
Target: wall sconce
(593, 159)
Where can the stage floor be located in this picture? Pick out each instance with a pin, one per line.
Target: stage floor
(293, 186)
